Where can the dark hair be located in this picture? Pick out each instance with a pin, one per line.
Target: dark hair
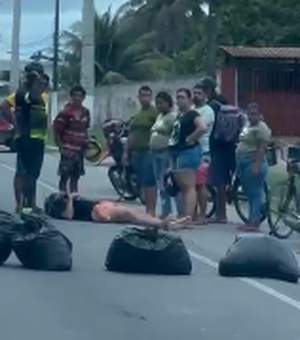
(186, 91)
(166, 97)
(199, 87)
(55, 205)
(145, 88)
(77, 89)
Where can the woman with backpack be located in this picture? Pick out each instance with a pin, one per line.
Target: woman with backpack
(185, 150)
(252, 164)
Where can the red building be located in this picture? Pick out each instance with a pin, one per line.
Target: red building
(269, 77)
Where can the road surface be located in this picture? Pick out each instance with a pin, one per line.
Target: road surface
(90, 303)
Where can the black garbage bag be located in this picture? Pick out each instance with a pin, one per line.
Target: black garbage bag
(41, 246)
(148, 251)
(9, 224)
(260, 256)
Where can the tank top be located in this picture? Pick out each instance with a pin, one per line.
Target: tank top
(83, 209)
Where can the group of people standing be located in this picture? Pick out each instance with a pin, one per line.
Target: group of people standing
(191, 141)
(196, 140)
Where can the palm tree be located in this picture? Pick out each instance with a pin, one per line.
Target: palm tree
(119, 54)
(178, 29)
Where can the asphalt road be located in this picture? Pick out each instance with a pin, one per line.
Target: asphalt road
(90, 303)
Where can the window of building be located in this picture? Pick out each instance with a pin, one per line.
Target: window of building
(4, 75)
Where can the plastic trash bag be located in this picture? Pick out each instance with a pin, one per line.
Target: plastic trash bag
(41, 246)
(9, 224)
(148, 251)
(260, 256)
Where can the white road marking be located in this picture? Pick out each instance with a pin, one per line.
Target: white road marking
(251, 282)
(201, 258)
(41, 183)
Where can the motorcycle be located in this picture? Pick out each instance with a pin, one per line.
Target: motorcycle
(121, 177)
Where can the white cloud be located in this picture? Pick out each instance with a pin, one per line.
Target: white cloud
(38, 23)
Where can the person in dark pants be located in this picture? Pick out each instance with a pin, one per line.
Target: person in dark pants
(222, 153)
(8, 109)
(31, 124)
(71, 135)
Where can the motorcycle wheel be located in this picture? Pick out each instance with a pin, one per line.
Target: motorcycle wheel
(120, 183)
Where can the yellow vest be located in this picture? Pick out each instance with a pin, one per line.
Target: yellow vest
(11, 99)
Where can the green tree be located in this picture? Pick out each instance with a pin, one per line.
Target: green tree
(119, 56)
(261, 23)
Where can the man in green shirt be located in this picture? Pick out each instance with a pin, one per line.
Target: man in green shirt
(137, 151)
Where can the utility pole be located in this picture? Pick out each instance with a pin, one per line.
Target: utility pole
(54, 94)
(15, 47)
(88, 54)
(212, 37)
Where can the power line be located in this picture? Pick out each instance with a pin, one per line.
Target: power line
(37, 41)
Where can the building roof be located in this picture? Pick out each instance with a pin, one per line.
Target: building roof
(262, 52)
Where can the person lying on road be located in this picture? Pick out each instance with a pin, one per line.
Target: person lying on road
(73, 207)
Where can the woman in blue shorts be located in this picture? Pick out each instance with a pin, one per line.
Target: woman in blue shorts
(185, 149)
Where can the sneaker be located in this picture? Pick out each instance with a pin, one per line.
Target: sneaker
(26, 211)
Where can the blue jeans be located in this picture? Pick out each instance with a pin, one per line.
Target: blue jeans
(187, 160)
(253, 187)
(162, 162)
(142, 165)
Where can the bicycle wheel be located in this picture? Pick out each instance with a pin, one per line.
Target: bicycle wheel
(282, 205)
(212, 201)
(120, 184)
(241, 204)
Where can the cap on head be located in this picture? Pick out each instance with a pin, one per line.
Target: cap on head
(34, 67)
(208, 83)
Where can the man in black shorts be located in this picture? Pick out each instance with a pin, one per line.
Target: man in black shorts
(31, 130)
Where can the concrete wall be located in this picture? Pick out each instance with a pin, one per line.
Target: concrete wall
(120, 101)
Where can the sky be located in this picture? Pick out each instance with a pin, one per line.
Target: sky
(38, 22)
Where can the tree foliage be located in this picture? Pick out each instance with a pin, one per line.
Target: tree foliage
(155, 39)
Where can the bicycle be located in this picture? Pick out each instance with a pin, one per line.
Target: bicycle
(236, 196)
(284, 205)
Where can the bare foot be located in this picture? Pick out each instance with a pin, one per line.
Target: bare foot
(180, 223)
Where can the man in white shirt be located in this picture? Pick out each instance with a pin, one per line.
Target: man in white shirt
(208, 116)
